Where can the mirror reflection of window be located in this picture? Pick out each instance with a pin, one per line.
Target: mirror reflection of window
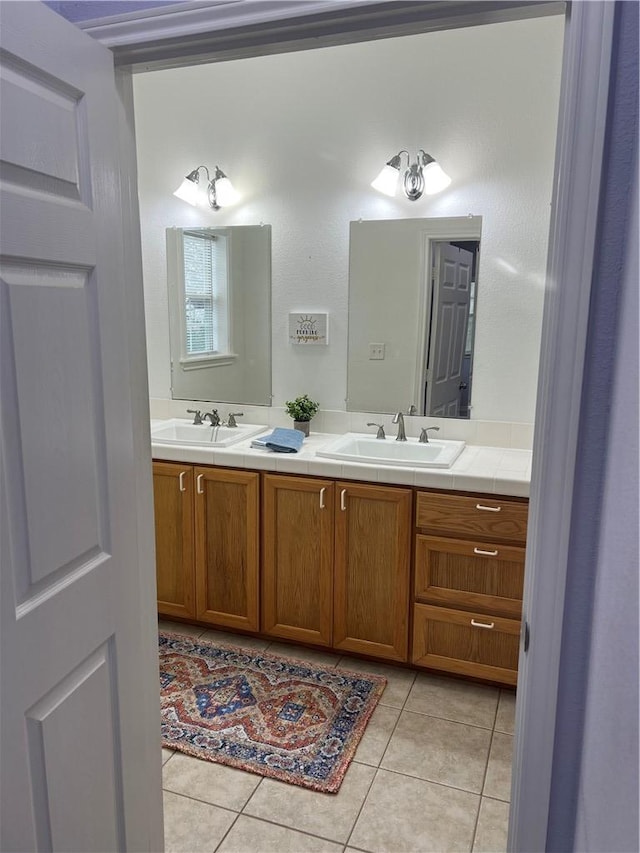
(205, 286)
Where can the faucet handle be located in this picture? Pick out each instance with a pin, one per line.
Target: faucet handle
(197, 416)
(424, 434)
(380, 433)
(412, 410)
(231, 421)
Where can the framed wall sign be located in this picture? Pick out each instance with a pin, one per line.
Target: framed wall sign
(308, 329)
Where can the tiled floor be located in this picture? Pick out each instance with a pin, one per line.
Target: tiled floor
(432, 773)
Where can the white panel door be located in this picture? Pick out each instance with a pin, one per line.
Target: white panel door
(450, 316)
(79, 752)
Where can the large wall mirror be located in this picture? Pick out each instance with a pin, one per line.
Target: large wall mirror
(413, 296)
(220, 313)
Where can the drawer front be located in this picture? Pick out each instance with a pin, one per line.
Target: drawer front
(471, 575)
(490, 519)
(456, 641)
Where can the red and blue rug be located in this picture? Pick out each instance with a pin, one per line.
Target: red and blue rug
(263, 713)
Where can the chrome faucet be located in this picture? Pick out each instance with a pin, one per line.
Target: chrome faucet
(197, 416)
(424, 434)
(231, 420)
(213, 416)
(380, 433)
(399, 419)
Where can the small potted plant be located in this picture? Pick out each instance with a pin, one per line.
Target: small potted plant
(302, 409)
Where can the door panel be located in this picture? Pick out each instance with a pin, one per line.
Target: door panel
(173, 503)
(297, 579)
(227, 547)
(79, 732)
(373, 530)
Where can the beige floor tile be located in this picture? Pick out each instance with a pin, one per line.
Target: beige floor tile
(301, 653)
(506, 716)
(453, 699)
(498, 781)
(205, 780)
(405, 815)
(226, 637)
(492, 828)
(439, 751)
(377, 734)
(399, 681)
(328, 815)
(193, 827)
(250, 835)
(166, 754)
(180, 628)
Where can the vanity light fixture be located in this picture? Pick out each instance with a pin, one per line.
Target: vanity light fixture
(425, 175)
(219, 193)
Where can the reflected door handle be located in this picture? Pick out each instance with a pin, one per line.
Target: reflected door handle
(463, 386)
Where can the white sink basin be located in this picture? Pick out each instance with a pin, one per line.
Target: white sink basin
(358, 447)
(177, 431)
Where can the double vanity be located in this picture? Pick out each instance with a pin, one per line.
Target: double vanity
(408, 552)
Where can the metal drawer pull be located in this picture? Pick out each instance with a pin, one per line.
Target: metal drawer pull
(489, 508)
(485, 553)
(183, 474)
(481, 624)
(322, 491)
(343, 504)
(199, 483)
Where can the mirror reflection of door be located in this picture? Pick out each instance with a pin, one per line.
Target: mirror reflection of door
(448, 357)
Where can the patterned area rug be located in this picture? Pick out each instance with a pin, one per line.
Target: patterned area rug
(263, 713)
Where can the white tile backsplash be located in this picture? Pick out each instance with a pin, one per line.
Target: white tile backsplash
(501, 434)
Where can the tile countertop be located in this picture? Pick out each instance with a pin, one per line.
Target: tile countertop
(497, 470)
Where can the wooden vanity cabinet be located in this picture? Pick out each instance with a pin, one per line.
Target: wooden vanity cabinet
(336, 561)
(371, 574)
(468, 583)
(207, 529)
(173, 504)
(227, 547)
(297, 558)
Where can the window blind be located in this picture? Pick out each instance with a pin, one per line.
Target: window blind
(201, 297)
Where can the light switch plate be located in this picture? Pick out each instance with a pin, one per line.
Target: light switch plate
(376, 352)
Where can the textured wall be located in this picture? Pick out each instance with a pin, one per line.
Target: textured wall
(303, 134)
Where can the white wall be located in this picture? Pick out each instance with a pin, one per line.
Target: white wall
(303, 134)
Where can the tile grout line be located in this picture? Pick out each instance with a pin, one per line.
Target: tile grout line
(222, 840)
(486, 770)
(378, 768)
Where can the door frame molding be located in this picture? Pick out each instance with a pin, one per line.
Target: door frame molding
(587, 60)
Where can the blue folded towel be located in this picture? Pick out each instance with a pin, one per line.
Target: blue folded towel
(281, 440)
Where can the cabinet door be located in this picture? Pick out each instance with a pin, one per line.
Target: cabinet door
(173, 500)
(227, 547)
(297, 560)
(371, 601)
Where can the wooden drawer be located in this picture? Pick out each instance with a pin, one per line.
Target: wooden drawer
(461, 516)
(470, 575)
(453, 641)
